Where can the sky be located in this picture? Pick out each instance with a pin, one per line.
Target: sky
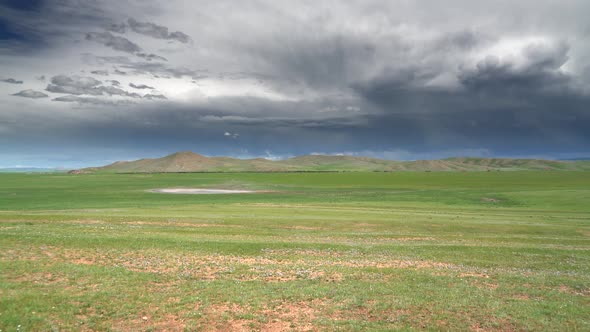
(88, 82)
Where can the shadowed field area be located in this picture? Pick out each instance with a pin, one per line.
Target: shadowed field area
(315, 251)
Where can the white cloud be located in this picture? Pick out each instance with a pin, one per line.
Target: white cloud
(231, 135)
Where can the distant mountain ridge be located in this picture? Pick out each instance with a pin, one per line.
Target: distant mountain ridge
(30, 170)
(187, 161)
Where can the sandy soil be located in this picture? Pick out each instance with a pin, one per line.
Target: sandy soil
(201, 191)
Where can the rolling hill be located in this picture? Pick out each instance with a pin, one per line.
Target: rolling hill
(192, 162)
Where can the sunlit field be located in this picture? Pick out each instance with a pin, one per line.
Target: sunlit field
(309, 251)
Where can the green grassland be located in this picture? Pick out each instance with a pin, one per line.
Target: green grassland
(314, 251)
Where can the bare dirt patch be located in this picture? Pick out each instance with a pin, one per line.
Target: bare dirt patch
(283, 316)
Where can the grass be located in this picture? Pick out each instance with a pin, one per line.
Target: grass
(318, 251)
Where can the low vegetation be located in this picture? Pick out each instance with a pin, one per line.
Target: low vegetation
(477, 251)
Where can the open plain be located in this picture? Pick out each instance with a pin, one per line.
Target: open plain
(479, 251)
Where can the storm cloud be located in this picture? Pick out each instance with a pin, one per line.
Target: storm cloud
(406, 79)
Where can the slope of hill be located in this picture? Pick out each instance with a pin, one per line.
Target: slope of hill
(192, 162)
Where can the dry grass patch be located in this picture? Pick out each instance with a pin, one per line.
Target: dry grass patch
(487, 285)
(282, 316)
(43, 278)
(569, 290)
(305, 228)
(273, 266)
(473, 274)
(179, 224)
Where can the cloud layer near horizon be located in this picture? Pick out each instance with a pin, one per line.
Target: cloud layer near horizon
(396, 79)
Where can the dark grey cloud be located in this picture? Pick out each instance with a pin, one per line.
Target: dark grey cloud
(323, 63)
(114, 82)
(113, 91)
(76, 85)
(11, 81)
(118, 28)
(528, 102)
(23, 5)
(72, 90)
(95, 101)
(160, 69)
(157, 31)
(253, 113)
(538, 71)
(100, 72)
(75, 81)
(205, 122)
(151, 57)
(151, 96)
(92, 101)
(47, 23)
(115, 42)
(140, 86)
(92, 59)
(179, 36)
(31, 94)
(156, 69)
